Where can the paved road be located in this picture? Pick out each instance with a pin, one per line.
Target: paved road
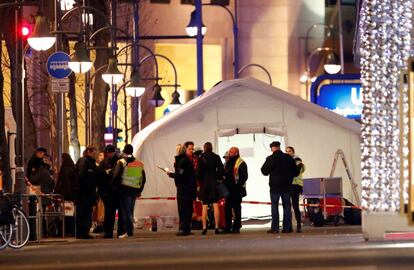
(317, 248)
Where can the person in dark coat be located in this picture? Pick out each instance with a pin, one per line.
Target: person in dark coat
(209, 172)
(235, 180)
(129, 177)
(107, 191)
(38, 171)
(281, 169)
(35, 161)
(186, 188)
(65, 185)
(87, 196)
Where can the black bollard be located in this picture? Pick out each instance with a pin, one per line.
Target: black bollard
(32, 218)
(154, 224)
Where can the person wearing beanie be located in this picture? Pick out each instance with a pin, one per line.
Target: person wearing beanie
(129, 180)
(108, 194)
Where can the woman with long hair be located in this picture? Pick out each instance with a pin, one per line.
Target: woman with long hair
(297, 187)
(209, 172)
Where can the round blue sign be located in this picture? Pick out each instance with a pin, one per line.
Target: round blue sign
(58, 65)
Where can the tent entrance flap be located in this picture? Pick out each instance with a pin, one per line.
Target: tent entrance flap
(274, 129)
(254, 148)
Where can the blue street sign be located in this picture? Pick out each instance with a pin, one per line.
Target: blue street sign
(58, 65)
(340, 93)
(344, 99)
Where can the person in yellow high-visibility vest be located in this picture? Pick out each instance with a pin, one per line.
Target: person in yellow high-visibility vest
(297, 186)
(129, 179)
(235, 180)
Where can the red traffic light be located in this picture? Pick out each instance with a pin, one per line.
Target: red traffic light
(25, 31)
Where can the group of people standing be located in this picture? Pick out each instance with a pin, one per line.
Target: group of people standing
(115, 179)
(206, 171)
(118, 180)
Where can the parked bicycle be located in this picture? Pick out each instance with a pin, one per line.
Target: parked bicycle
(16, 234)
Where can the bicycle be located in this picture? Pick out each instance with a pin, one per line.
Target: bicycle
(18, 232)
(6, 222)
(21, 229)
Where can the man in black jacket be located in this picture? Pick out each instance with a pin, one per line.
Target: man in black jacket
(87, 196)
(107, 191)
(281, 169)
(235, 180)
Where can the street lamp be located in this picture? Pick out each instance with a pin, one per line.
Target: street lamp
(112, 75)
(41, 40)
(175, 102)
(135, 88)
(191, 28)
(192, 31)
(157, 100)
(330, 66)
(80, 62)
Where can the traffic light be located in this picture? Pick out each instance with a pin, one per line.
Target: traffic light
(119, 138)
(109, 135)
(25, 30)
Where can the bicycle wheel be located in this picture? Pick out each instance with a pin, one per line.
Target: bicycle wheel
(21, 230)
(5, 235)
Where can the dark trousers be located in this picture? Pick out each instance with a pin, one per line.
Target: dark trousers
(287, 214)
(233, 202)
(83, 219)
(127, 198)
(185, 211)
(111, 204)
(295, 194)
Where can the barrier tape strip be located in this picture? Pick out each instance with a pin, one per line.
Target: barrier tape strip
(266, 203)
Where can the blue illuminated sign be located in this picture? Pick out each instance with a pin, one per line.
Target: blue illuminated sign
(58, 65)
(344, 99)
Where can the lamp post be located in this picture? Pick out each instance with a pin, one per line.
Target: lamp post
(113, 76)
(330, 66)
(196, 23)
(19, 105)
(80, 62)
(18, 81)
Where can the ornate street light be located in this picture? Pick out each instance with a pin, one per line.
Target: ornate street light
(41, 39)
(157, 100)
(80, 62)
(332, 65)
(112, 75)
(135, 88)
(191, 28)
(175, 102)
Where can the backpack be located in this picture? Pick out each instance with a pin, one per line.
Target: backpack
(132, 175)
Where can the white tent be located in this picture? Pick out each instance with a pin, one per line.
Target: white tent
(249, 114)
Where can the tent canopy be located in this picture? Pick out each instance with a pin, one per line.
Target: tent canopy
(249, 106)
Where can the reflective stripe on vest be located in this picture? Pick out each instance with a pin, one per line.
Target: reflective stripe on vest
(239, 161)
(132, 175)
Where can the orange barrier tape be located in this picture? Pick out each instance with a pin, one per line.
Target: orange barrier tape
(265, 203)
